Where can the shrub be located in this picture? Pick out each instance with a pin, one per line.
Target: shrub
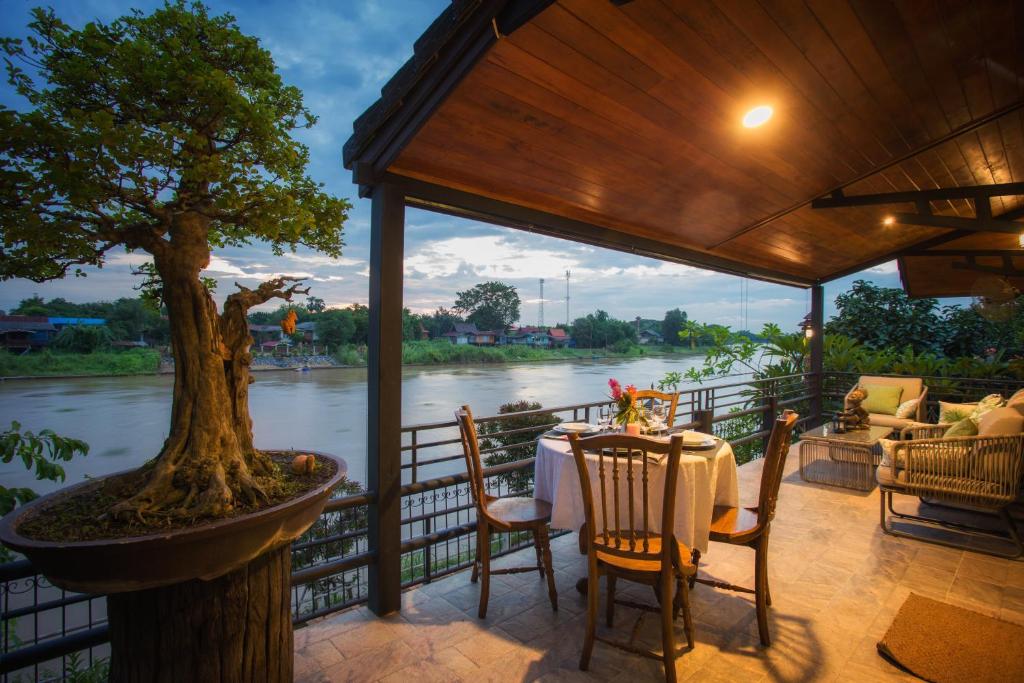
(517, 446)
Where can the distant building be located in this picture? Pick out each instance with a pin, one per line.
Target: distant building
(265, 333)
(650, 337)
(467, 333)
(559, 337)
(539, 337)
(308, 331)
(20, 333)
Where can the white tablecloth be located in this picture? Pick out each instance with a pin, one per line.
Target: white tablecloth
(703, 483)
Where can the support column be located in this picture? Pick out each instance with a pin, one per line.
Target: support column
(817, 349)
(384, 390)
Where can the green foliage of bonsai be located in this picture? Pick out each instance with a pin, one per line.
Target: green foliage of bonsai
(41, 453)
(169, 133)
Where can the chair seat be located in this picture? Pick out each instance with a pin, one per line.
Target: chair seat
(684, 564)
(728, 522)
(520, 511)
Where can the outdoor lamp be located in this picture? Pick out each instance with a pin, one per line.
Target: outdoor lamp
(807, 326)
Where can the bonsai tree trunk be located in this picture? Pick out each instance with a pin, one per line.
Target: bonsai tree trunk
(208, 464)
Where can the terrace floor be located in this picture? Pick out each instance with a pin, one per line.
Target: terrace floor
(836, 581)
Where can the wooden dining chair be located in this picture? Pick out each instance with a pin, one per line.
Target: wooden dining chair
(624, 542)
(502, 515)
(749, 526)
(669, 400)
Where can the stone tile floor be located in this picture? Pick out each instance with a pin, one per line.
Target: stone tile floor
(836, 581)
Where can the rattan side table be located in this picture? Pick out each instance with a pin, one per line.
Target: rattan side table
(848, 459)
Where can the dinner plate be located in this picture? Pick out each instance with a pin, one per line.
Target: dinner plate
(574, 428)
(698, 441)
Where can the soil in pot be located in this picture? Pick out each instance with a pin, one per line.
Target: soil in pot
(84, 515)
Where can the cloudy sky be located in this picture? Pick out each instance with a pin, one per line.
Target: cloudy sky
(340, 53)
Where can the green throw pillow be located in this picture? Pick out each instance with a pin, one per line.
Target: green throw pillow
(965, 427)
(882, 399)
(954, 412)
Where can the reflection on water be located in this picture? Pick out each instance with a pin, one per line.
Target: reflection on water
(124, 419)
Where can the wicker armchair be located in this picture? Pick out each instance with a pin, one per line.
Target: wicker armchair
(977, 472)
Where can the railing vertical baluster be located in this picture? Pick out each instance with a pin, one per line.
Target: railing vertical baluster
(413, 453)
(427, 573)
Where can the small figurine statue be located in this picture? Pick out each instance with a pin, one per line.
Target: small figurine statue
(855, 417)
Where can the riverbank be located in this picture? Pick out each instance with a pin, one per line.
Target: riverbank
(99, 364)
(47, 364)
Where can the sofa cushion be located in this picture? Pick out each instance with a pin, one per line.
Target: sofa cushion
(1003, 421)
(908, 409)
(882, 399)
(1016, 401)
(954, 412)
(986, 404)
(964, 427)
(889, 478)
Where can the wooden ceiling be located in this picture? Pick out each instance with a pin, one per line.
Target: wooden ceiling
(628, 118)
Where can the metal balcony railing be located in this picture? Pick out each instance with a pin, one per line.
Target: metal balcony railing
(49, 634)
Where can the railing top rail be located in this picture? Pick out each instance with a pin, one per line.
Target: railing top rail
(694, 388)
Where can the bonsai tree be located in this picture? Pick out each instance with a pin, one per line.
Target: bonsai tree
(168, 133)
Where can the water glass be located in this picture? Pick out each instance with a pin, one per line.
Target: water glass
(604, 417)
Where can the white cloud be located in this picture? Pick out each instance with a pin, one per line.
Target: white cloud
(887, 268)
(489, 256)
(321, 261)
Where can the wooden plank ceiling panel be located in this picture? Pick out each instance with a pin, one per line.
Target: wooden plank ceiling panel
(628, 118)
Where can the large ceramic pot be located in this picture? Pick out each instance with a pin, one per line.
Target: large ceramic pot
(205, 551)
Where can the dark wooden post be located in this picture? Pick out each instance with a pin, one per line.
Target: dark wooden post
(384, 389)
(817, 350)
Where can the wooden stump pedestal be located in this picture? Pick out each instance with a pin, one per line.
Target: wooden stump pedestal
(237, 627)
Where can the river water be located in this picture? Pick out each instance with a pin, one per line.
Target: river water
(125, 419)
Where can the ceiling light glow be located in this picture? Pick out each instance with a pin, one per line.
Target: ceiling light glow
(757, 116)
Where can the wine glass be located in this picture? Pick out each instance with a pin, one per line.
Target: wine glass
(604, 417)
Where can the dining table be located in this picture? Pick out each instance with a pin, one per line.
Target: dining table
(706, 478)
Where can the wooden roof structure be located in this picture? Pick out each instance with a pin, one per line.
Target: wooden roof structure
(617, 123)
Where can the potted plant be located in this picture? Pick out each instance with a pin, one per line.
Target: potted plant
(628, 411)
(170, 134)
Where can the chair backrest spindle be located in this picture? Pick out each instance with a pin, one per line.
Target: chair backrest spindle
(630, 532)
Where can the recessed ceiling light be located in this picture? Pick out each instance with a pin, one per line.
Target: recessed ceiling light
(889, 220)
(757, 116)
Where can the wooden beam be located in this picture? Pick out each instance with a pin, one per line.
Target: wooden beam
(959, 223)
(966, 252)
(1007, 269)
(838, 199)
(448, 66)
(454, 202)
(384, 398)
